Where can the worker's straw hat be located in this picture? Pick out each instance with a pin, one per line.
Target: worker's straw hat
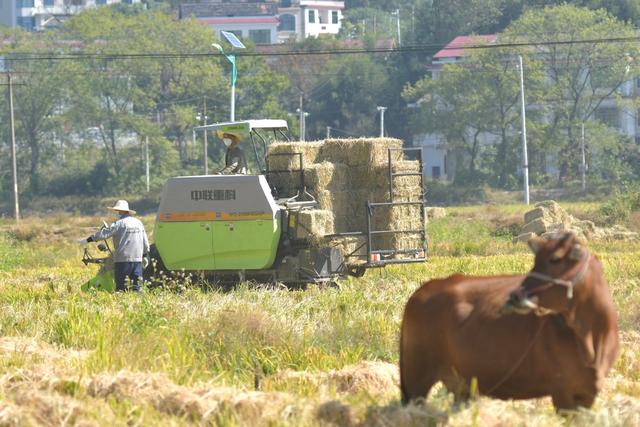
(222, 134)
(122, 205)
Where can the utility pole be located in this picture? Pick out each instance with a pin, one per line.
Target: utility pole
(382, 110)
(396, 13)
(328, 132)
(525, 160)
(14, 167)
(146, 159)
(193, 143)
(204, 118)
(583, 165)
(301, 119)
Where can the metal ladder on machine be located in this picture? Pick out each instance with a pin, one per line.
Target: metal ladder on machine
(377, 256)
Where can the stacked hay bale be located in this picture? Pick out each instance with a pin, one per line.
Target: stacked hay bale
(343, 174)
(548, 218)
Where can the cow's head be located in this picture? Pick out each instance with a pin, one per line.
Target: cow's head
(560, 264)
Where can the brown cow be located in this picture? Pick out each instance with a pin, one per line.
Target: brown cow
(551, 332)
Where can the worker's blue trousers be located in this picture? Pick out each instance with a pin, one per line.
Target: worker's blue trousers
(132, 270)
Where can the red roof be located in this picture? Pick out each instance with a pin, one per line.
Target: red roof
(455, 47)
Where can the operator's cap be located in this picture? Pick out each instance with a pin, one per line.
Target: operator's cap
(122, 205)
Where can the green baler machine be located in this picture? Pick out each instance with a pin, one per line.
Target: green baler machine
(230, 228)
(217, 222)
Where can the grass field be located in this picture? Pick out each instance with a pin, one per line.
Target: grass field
(260, 355)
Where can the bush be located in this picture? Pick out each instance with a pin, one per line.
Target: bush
(618, 209)
(79, 182)
(441, 194)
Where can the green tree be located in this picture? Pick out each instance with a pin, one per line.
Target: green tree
(348, 98)
(580, 78)
(474, 106)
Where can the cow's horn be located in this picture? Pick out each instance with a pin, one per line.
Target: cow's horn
(576, 253)
(535, 243)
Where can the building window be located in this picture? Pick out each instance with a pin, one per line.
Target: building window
(21, 4)
(312, 17)
(334, 16)
(435, 172)
(287, 22)
(609, 116)
(285, 3)
(26, 22)
(127, 1)
(260, 36)
(48, 3)
(101, 2)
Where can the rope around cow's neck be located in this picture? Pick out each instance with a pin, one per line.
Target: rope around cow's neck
(519, 362)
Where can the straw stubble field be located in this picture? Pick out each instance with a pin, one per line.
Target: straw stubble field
(256, 355)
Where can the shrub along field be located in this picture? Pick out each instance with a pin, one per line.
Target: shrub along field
(261, 355)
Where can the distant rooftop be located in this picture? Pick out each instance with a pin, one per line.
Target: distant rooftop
(228, 9)
(455, 48)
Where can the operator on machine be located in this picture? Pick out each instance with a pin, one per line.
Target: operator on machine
(234, 160)
(131, 246)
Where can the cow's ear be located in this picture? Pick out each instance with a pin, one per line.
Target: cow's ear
(577, 253)
(535, 243)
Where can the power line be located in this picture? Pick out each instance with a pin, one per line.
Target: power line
(32, 56)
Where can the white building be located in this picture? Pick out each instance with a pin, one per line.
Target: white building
(255, 21)
(308, 18)
(268, 21)
(37, 15)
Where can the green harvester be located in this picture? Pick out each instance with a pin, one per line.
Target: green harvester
(230, 228)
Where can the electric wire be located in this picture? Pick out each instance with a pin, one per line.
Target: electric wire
(24, 56)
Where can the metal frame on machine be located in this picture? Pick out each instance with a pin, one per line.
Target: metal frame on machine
(420, 254)
(378, 257)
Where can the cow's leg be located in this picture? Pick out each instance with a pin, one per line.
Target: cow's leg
(460, 389)
(417, 384)
(418, 369)
(563, 401)
(419, 356)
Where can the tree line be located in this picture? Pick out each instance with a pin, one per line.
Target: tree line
(81, 123)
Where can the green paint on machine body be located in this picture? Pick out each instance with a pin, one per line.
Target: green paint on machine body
(103, 281)
(217, 222)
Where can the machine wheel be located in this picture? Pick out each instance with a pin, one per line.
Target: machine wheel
(357, 271)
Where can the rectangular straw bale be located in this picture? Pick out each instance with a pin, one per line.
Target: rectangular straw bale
(355, 247)
(402, 217)
(356, 207)
(286, 183)
(325, 175)
(368, 177)
(407, 188)
(407, 241)
(336, 202)
(314, 224)
(359, 152)
(377, 178)
(309, 150)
